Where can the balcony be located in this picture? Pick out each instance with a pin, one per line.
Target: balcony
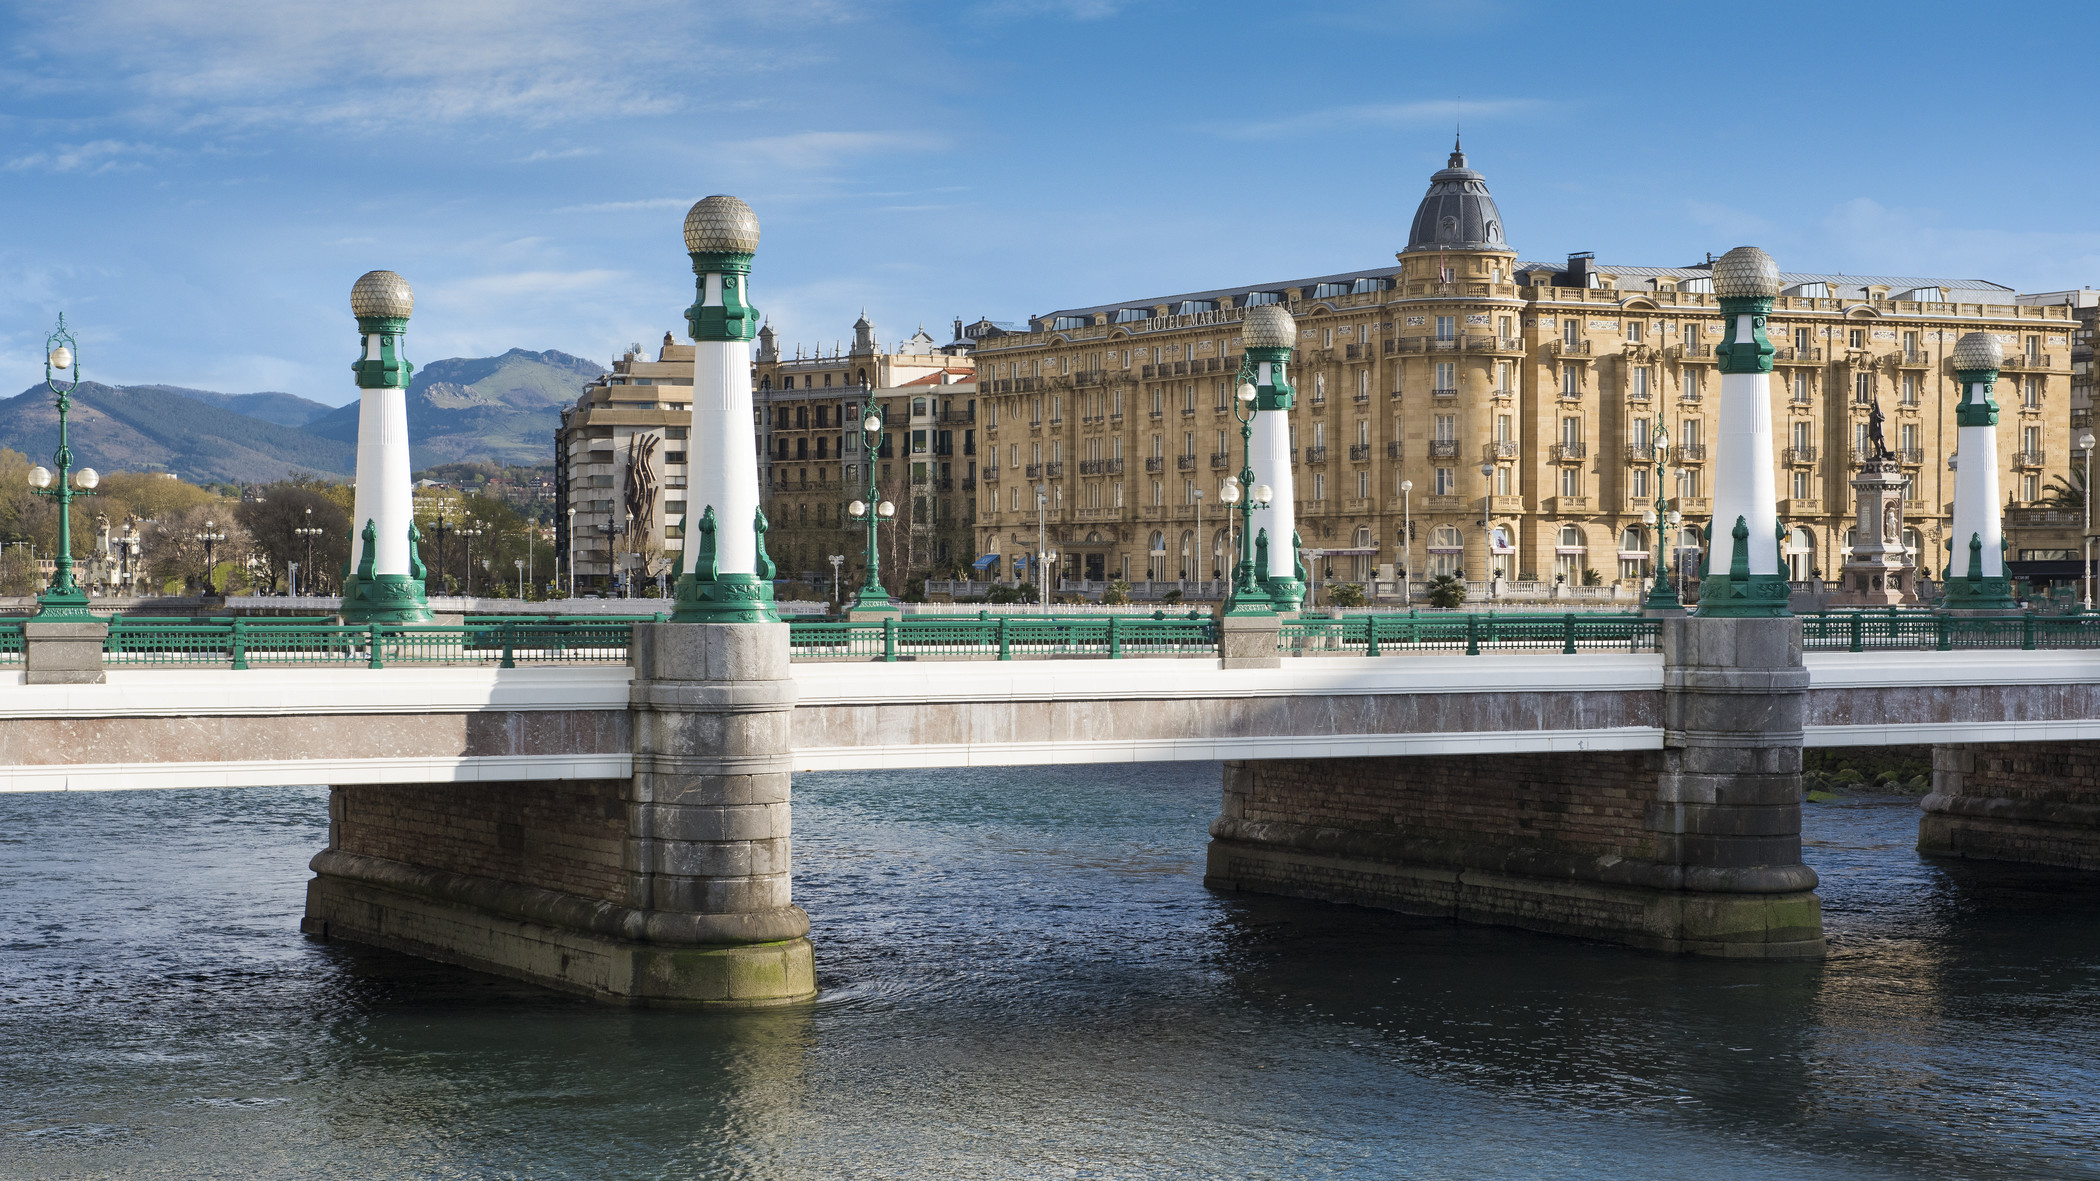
(1568, 504)
(1910, 456)
(1185, 463)
(1443, 448)
(1156, 464)
(2021, 361)
(1188, 412)
(1640, 453)
(1443, 393)
(1054, 469)
(1362, 397)
(1914, 359)
(1035, 471)
(1359, 452)
(1499, 449)
(1392, 450)
(1690, 352)
(2027, 458)
(1570, 452)
(1505, 504)
(955, 417)
(1316, 455)
(1801, 506)
(990, 475)
(1502, 395)
(1115, 466)
(1220, 459)
(1798, 356)
(1156, 414)
(1798, 455)
(1568, 348)
(1091, 467)
(1689, 453)
(1090, 377)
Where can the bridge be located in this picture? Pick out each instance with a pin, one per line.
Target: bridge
(604, 805)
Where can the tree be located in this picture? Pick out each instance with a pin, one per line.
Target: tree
(18, 572)
(175, 556)
(1346, 594)
(2067, 491)
(1447, 591)
(275, 514)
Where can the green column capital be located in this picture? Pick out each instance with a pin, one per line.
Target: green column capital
(1277, 394)
(1973, 410)
(389, 370)
(1755, 354)
(734, 318)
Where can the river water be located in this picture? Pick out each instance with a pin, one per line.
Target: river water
(1024, 977)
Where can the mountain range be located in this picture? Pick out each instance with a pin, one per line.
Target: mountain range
(494, 409)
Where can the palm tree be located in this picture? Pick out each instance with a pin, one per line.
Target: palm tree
(2066, 491)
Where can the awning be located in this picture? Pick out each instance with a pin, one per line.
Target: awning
(984, 562)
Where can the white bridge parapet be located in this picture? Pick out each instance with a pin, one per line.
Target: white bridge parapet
(197, 727)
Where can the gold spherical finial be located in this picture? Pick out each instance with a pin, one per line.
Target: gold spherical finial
(721, 225)
(1978, 350)
(1269, 326)
(382, 295)
(1746, 273)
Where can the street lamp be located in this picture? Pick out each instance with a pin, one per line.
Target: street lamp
(520, 564)
(2085, 444)
(1487, 538)
(64, 598)
(1042, 575)
(310, 531)
(1661, 595)
(872, 509)
(211, 536)
(838, 565)
(572, 551)
(1407, 536)
(1248, 596)
(470, 531)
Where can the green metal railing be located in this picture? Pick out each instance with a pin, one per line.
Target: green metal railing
(1466, 631)
(242, 643)
(10, 641)
(1002, 637)
(1914, 630)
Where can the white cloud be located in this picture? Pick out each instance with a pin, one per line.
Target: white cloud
(811, 150)
(558, 154)
(1446, 112)
(629, 206)
(102, 155)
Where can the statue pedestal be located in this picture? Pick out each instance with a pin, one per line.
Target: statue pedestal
(1879, 571)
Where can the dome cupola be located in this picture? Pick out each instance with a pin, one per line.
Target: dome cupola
(1457, 213)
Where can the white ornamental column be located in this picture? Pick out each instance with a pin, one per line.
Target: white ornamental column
(1744, 576)
(727, 576)
(1269, 334)
(1976, 579)
(383, 582)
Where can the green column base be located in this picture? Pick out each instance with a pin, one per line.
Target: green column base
(385, 598)
(1756, 596)
(1285, 594)
(65, 604)
(725, 598)
(1978, 594)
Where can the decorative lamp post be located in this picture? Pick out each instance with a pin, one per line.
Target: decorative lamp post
(725, 577)
(310, 532)
(572, 551)
(520, 564)
(1744, 577)
(210, 536)
(471, 530)
(873, 510)
(63, 599)
(1247, 596)
(2085, 444)
(383, 576)
(1407, 536)
(1268, 335)
(838, 564)
(1487, 533)
(1976, 578)
(1662, 596)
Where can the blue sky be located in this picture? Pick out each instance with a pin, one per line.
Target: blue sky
(197, 184)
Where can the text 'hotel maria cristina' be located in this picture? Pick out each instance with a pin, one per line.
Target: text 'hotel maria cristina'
(1463, 373)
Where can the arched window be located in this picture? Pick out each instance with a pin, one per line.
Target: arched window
(1157, 556)
(1800, 554)
(1633, 553)
(1913, 543)
(1188, 554)
(863, 378)
(766, 382)
(1365, 563)
(1221, 556)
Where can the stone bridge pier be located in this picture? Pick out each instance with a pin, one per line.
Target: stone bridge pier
(2032, 802)
(1695, 848)
(668, 887)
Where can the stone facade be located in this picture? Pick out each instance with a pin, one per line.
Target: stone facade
(620, 460)
(2032, 802)
(1456, 357)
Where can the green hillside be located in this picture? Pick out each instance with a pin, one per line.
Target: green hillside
(502, 410)
(152, 428)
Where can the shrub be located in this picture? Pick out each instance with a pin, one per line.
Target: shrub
(1447, 591)
(1346, 594)
(1118, 592)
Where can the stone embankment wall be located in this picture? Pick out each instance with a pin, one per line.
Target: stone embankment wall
(2034, 802)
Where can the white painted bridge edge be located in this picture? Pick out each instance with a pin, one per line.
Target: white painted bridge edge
(333, 691)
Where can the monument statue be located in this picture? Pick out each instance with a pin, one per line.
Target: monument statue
(1877, 445)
